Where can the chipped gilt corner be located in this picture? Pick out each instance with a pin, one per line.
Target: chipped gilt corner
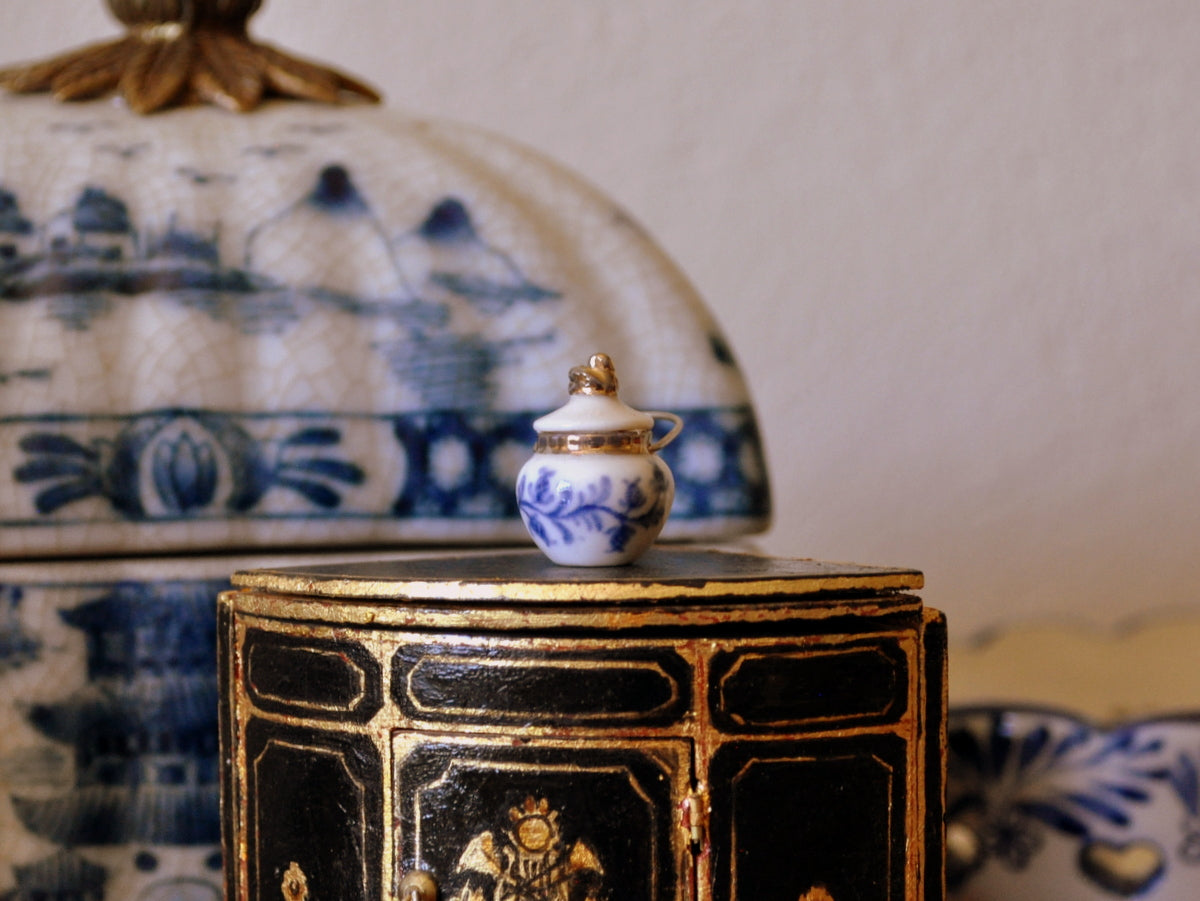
(698, 725)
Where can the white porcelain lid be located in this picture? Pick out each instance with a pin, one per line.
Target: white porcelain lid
(594, 413)
(593, 405)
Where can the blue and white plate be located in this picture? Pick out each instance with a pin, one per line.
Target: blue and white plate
(1044, 805)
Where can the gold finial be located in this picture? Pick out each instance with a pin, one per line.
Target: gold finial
(295, 884)
(599, 376)
(179, 52)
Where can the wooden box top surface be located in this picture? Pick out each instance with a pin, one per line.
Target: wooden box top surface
(526, 577)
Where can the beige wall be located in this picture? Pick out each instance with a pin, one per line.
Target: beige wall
(955, 245)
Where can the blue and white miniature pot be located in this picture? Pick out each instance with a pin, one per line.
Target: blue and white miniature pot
(595, 493)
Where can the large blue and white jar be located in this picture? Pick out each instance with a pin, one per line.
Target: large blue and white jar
(310, 325)
(595, 492)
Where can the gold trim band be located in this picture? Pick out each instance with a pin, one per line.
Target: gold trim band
(632, 441)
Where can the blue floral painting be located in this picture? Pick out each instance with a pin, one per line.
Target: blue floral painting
(560, 512)
(1128, 799)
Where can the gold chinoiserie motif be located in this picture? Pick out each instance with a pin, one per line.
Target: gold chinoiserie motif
(529, 861)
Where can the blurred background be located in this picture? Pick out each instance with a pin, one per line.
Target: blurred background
(954, 246)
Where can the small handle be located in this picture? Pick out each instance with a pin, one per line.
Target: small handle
(671, 435)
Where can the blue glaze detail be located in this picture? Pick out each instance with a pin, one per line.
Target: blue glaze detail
(17, 646)
(734, 483)
(185, 473)
(34, 375)
(271, 151)
(124, 152)
(449, 221)
(93, 252)
(144, 726)
(203, 179)
(565, 512)
(93, 249)
(721, 350)
(336, 193)
(1183, 777)
(98, 212)
(310, 475)
(179, 464)
(447, 370)
(12, 223)
(482, 492)
(184, 452)
(454, 372)
(481, 274)
(62, 875)
(489, 294)
(181, 244)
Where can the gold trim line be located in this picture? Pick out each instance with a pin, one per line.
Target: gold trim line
(628, 441)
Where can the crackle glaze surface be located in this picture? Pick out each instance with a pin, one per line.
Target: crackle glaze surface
(312, 325)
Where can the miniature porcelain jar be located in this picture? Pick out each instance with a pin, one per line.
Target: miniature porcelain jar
(594, 493)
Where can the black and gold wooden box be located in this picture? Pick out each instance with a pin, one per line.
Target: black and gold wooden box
(699, 725)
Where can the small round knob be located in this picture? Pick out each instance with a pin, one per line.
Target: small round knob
(418, 885)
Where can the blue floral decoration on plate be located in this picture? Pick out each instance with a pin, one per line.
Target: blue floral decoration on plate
(1024, 783)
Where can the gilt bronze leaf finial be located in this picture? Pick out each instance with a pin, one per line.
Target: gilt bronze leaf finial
(178, 52)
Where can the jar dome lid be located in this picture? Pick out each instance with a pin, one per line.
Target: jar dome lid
(593, 405)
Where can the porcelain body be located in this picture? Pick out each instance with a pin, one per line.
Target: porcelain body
(313, 325)
(595, 509)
